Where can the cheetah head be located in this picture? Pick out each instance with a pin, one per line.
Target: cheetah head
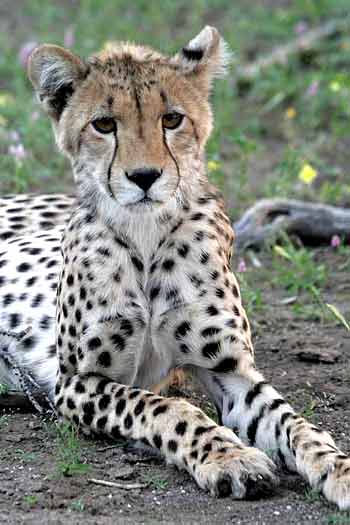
(133, 122)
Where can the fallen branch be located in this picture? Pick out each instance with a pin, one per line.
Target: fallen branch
(313, 223)
(125, 486)
(281, 54)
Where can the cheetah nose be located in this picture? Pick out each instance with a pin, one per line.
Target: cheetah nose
(144, 177)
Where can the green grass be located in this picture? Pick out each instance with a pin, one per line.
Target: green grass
(70, 455)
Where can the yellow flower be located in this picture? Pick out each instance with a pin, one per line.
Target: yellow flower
(290, 113)
(307, 174)
(3, 121)
(109, 45)
(213, 165)
(334, 86)
(6, 99)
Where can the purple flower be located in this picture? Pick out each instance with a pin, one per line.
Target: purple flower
(335, 241)
(242, 267)
(25, 52)
(35, 116)
(69, 37)
(312, 90)
(17, 151)
(14, 136)
(301, 27)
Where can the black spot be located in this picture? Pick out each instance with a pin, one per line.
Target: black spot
(276, 403)
(182, 330)
(89, 412)
(254, 392)
(172, 446)
(285, 416)
(105, 252)
(15, 320)
(211, 330)
(212, 310)
(104, 359)
(128, 421)
(219, 292)
(101, 422)
(134, 394)
(184, 348)
(28, 342)
(160, 410)
(8, 299)
(72, 359)
(154, 292)
(120, 407)
(168, 265)
(102, 385)
(210, 350)
(79, 388)
(198, 236)
(72, 331)
(181, 427)
(201, 430)
(118, 341)
(204, 258)
(137, 263)
(139, 407)
(157, 440)
(23, 267)
(45, 322)
(126, 326)
(229, 364)
(70, 280)
(253, 426)
(70, 404)
(104, 402)
(183, 250)
(94, 343)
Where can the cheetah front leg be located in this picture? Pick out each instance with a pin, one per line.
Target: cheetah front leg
(221, 357)
(213, 455)
(90, 393)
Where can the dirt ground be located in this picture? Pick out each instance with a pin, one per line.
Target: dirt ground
(33, 490)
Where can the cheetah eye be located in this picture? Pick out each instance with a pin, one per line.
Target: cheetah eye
(104, 125)
(172, 120)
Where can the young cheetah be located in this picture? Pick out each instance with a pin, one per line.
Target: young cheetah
(144, 282)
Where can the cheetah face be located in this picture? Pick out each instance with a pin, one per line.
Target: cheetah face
(133, 122)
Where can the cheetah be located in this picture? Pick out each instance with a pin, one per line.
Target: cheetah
(105, 293)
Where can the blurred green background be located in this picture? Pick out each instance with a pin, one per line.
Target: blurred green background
(286, 134)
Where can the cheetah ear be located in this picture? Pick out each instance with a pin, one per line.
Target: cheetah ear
(205, 57)
(55, 73)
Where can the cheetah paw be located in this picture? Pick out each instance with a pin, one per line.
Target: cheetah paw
(336, 487)
(244, 472)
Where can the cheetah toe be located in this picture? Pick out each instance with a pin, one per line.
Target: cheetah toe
(243, 472)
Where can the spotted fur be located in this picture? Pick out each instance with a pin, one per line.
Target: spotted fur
(139, 277)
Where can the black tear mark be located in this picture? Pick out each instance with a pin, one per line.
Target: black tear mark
(109, 172)
(139, 111)
(193, 54)
(171, 155)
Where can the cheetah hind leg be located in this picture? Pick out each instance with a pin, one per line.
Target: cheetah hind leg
(13, 373)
